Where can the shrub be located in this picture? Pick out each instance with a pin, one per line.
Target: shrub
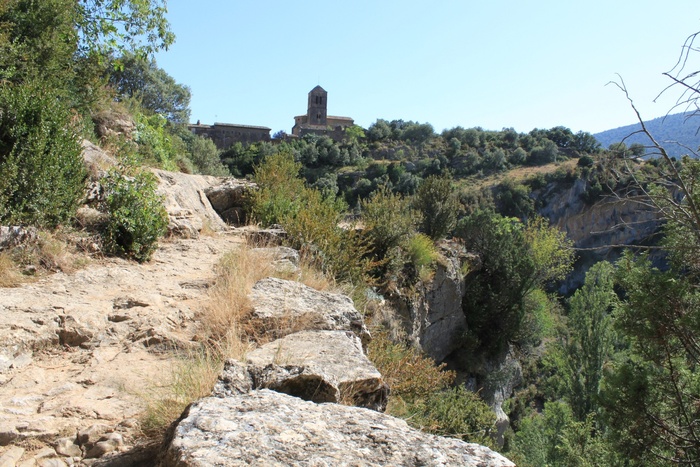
(311, 218)
(137, 217)
(409, 374)
(422, 253)
(279, 189)
(439, 205)
(42, 177)
(456, 412)
(389, 220)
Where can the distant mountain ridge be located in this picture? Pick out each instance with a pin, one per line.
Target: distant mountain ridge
(675, 132)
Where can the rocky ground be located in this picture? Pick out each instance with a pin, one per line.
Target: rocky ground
(78, 351)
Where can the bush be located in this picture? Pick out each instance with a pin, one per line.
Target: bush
(422, 253)
(437, 201)
(137, 217)
(310, 218)
(388, 219)
(42, 176)
(459, 413)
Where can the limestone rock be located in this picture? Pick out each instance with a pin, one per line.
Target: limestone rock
(11, 236)
(282, 307)
(228, 199)
(273, 429)
(66, 447)
(188, 207)
(96, 160)
(433, 317)
(10, 457)
(319, 366)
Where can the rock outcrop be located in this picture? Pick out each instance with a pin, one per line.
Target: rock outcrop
(281, 307)
(318, 366)
(266, 428)
(432, 316)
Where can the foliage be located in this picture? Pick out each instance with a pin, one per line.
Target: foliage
(409, 374)
(555, 438)
(280, 190)
(137, 217)
(389, 221)
(438, 204)
(42, 177)
(310, 217)
(650, 395)
(139, 78)
(40, 40)
(515, 260)
(590, 344)
(126, 25)
(456, 412)
(421, 251)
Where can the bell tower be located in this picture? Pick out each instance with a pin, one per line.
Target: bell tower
(318, 105)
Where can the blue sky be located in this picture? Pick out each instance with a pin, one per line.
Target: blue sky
(494, 64)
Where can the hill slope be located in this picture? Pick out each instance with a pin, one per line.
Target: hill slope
(676, 132)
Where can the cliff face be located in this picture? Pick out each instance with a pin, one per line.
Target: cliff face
(601, 230)
(432, 315)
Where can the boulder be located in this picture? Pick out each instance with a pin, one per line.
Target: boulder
(228, 199)
(272, 429)
(12, 236)
(188, 207)
(281, 307)
(318, 366)
(96, 160)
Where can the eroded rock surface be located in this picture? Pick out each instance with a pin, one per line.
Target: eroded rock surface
(77, 350)
(266, 428)
(281, 307)
(319, 366)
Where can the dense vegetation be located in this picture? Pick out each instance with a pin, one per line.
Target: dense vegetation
(610, 374)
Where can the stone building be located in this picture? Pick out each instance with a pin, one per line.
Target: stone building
(225, 135)
(317, 120)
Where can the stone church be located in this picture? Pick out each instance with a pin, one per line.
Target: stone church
(317, 121)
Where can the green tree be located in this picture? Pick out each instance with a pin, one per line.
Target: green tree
(140, 78)
(437, 201)
(123, 25)
(591, 338)
(42, 175)
(514, 261)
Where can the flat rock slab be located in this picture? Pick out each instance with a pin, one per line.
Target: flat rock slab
(281, 307)
(318, 366)
(266, 428)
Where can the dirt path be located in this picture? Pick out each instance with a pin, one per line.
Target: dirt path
(78, 350)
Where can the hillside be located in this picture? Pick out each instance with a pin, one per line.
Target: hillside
(676, 132)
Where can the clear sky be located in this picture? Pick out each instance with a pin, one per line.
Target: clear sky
(489, 63)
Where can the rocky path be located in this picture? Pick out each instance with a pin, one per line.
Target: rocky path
(77, 351)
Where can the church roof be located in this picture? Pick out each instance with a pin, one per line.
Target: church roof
(317, 88)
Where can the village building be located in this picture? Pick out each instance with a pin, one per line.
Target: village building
(225, 135)
(317, 121)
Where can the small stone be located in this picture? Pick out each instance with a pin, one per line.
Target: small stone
(44, 453)
(100, 449)
(129, 423)
(115, 438)
(66, 447)
(92, 433)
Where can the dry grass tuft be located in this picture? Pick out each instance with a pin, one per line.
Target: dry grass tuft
(9, 272)
(191, 378)
(228, 330)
